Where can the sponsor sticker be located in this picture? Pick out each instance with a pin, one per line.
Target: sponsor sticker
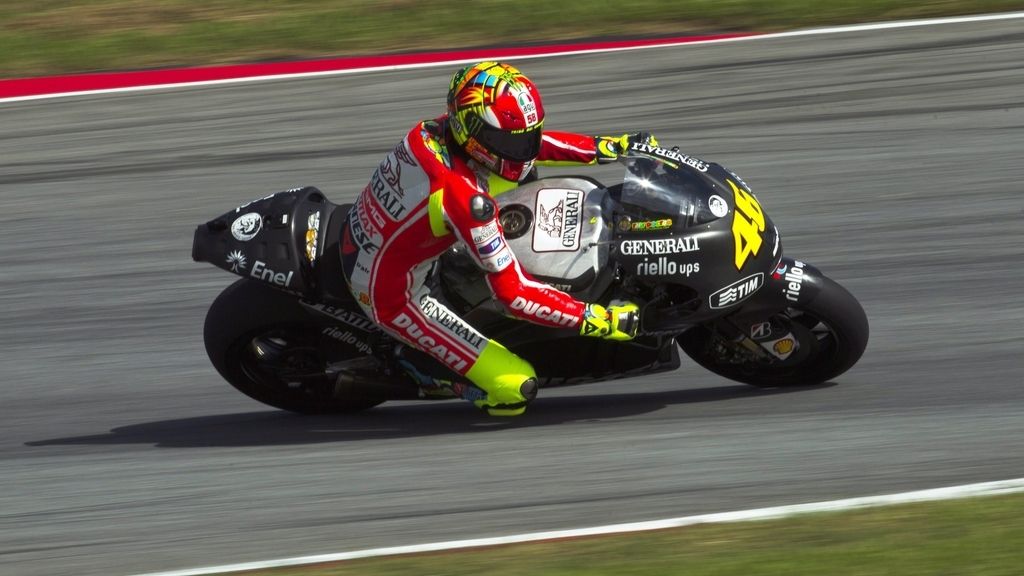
(312, 232)
(491, 247)
(660, 246)
(558, 226)
(794, 279)
(237, 260)
(662, 266)
(499, 260)
(718, 206)
(261, 272)
(761, 331)
(737, 291)
(527, 106)
(781, 348)
(484, 233)
(344, 315)
(648, 225)
(347, 337)
(247, 226)
(673, 155)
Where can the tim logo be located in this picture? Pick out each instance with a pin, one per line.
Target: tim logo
(737, 291)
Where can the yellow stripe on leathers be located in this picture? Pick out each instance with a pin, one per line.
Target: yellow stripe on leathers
(435, 212)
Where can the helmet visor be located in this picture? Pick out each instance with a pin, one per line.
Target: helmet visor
(515, 145)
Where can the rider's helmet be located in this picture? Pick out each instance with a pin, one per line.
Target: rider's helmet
(495, 115)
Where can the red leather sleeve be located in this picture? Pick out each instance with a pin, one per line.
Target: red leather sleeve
(474, 218)
(567, 147)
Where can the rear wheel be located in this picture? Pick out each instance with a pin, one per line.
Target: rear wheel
(257, 339)
(831, 334)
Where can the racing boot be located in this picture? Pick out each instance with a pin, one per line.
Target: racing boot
(506, 382)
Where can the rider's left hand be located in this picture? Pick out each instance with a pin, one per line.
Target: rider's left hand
(609, 148)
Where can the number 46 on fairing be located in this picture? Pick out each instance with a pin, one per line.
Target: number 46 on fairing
(747, 225)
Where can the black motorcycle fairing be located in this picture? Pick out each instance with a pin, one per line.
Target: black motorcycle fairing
(288, 240)
(793, 284)
(690, 238)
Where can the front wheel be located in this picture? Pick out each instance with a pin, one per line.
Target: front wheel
(831, 332)
(260, 341)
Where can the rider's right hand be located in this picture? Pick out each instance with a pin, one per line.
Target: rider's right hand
(609, 148)
(620, 321)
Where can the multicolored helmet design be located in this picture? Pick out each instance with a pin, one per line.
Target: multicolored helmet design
(495, 115)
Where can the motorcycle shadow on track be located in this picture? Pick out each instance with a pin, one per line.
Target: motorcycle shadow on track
(277, 428)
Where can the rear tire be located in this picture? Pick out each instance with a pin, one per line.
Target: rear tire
(832, 331)
(250, 322)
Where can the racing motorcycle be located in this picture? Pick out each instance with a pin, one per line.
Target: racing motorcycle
(684, 238)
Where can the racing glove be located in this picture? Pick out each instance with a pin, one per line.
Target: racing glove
(609, 148)
(620, 321)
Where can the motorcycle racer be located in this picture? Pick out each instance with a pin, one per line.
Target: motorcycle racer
(435, 189)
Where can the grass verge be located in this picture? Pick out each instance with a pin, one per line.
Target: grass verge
(66, 36)
(970, 537)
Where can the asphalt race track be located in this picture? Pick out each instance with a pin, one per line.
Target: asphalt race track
(890, 159)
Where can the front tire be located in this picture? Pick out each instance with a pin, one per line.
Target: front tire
(832, 331)
(261, 341)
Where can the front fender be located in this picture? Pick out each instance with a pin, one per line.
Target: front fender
(793, 284)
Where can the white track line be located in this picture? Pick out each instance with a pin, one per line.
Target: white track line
(983, 489)
(497, 55)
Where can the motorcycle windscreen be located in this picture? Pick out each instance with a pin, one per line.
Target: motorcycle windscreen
(655, 190)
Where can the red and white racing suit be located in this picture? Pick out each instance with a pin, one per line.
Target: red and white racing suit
(422, 199)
